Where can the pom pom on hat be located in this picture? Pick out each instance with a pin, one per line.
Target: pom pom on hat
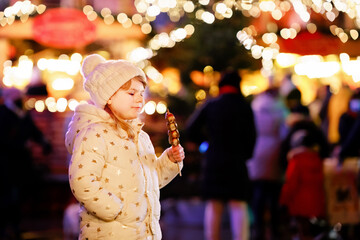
(90, 63)
(104, 77)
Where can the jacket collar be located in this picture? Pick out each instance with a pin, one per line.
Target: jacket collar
(228, 89)
(136, 124)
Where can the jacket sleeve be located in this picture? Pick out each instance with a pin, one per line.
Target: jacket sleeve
(85, 170)
(166, 169)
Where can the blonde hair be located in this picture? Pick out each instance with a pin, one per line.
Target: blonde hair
(124, 124)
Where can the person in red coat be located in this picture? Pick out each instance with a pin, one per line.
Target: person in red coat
(303, 192)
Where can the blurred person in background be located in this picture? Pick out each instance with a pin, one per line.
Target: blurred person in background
(303, 192)
(319, 108)
(348, 150)
(299, 119)
(349, 129)
(264, 167)
(302, 152)
(338, 104)
(293, 99)
(227, 124)
(19, 177)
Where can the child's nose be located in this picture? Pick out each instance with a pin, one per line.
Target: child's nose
(139, 98)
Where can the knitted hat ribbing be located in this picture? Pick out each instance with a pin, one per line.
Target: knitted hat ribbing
(104, 77)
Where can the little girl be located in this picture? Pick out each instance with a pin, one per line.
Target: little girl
(114, 172)
(303, 192)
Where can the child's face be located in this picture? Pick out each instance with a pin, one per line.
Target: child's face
(127, 104)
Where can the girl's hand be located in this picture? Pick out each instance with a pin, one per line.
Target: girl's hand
(176, 154)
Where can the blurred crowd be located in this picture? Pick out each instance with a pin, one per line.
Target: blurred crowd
(298, 176)
(303, 167)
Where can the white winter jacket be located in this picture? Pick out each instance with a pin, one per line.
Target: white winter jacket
(116, 180)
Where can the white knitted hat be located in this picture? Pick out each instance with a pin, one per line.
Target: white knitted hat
(104, 77)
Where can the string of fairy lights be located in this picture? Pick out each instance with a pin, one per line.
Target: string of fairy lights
(148, 10)
(208, 12)
(22, 10)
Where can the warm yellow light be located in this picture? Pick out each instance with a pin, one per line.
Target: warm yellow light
(267, 53)
(208, 69)
(150, 107)
(73, 104)
(204, 2)
(30, 103)
(141, 7)
(109, 19)
(63, 57)
(76, 57)
(163, 39)
(91, 15)
(311, 27)
(189, 6)
(253, 82)
(122, 17)
(42, 64)
(146, 28)
(39, 106)
(285, 60)
(62, 84)
(344, 57)
(221, 8)
(154, 74)
(137, 18)
(171, 80)
(354, 34)
(128, 23)
(18, 76)
(310, 58)
(61, 104)
(87, 8)
(189, 29)
(208, 17)
(343, 37)
(327, 6)
(41, 8)
(277, 14)
(153, 11)
(105, 12)
(161, 107)
(351, 67)
(7, 63)
(317, 69)
(51, 106)
(49, 101)
(267, 6)
(256, 51)
(140, 54)
(179, 34)
(63, 64)
(200, 95)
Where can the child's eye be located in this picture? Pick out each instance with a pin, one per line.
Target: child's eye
(131, 93)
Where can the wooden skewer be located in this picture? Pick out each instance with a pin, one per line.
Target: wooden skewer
(173, 131)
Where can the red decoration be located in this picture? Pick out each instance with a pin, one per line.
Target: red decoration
(307, 43)
(63, 28)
